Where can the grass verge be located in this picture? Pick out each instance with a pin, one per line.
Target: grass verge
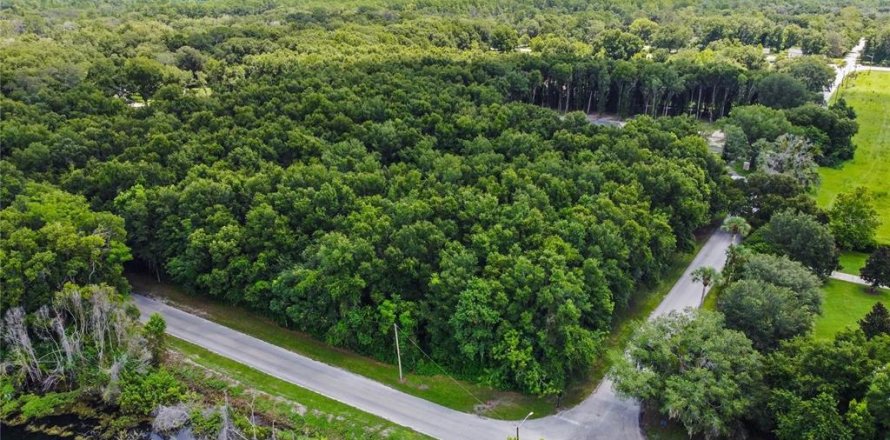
(440, 389)
(350, 417)
(851, 262)
(869, 95)
(843, 305)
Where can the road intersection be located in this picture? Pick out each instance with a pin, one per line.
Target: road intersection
(603, 415)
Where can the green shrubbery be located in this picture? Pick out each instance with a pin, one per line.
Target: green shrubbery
(142, 394)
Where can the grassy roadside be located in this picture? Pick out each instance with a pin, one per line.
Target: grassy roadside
(329, 411)
(852, 261)
(440, 389)
(843, 305)
(711, 299)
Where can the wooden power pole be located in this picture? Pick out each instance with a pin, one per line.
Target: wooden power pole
(398, 351)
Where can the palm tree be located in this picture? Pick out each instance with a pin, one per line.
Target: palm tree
(736, 226)
(706, 275)
(736, 256)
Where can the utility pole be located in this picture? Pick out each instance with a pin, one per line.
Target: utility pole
(398, 350)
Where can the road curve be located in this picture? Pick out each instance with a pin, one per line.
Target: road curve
(603, 415)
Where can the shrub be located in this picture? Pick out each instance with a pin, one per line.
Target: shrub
(36, 407)
(142, 394)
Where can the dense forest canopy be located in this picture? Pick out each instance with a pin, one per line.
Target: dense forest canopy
(343, 168)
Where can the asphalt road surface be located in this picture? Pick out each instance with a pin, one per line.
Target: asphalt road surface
(603, 415)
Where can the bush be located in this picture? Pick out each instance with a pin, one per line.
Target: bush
(142, 394)
(205, 423)
(36, 407)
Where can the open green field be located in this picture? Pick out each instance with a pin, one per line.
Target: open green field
(869, 95)
(356, 422)
(444, 390)
(843, 305)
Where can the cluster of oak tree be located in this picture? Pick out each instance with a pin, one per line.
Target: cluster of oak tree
(343, 169)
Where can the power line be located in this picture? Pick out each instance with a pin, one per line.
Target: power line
(444, 372)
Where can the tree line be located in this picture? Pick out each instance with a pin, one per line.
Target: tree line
(342, 172)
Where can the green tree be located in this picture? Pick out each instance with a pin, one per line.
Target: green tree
(618, 45)
(51, 238)
(643, 28)
(766, 194)
(780, 91)
(674, 36)
(790, 155)
(877, 397)
(692, 370)
(854, 220)
(144, 76)
(813, 71)
(784, 272)
(814, 381)
(814, 419)
(800, 237)
(876, 321)
(737, 226)
(504, 38)
(766, 313)
(736, 146)
(190, 59)
(877, 268)
(759, 122)
(707, 276)
(830, 129)
(155, 337)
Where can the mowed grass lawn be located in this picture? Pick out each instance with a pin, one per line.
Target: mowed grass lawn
(869, 95)
(843, 305)
(852, 262)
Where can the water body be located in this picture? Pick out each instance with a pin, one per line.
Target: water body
(65, 426)
(72, 427)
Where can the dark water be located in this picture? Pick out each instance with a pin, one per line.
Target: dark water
(72, 427)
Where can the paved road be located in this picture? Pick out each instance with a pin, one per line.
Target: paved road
(849, 278)
(687, 293)
(354, 390)
(851, 64)
(861, 68)
(603, 415)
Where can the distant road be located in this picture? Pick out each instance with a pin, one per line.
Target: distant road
(861, 68)
(603, 415)
(851, 64)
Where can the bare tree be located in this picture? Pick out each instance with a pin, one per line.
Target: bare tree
(19, 344)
